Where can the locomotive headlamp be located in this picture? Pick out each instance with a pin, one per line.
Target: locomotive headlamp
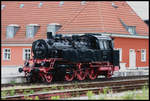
(20, 70)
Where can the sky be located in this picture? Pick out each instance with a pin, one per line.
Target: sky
(141, 8)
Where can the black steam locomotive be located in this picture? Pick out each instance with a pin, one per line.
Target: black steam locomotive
(67, 57)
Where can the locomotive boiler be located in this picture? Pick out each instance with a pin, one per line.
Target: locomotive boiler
(65, 57)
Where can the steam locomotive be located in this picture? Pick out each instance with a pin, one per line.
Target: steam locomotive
(66, 57)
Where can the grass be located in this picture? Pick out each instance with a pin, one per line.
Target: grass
(45, 90)
(36, 98)
(76, 85)
(61, 88)
(54, 87)
(3, 94)
(13, 82)
(90, 94)
(12, 92)
(128, 95)
(31, 91)
(55, 98)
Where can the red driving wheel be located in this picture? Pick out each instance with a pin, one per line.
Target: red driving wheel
(92, 74)
(70, 74)
(81, 72)
(48, 77)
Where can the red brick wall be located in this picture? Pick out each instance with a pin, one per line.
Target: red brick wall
(132, 43)
(16, 56)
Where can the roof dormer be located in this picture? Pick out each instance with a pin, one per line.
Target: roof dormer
(31, 30)
(11, 30)
(131, 29)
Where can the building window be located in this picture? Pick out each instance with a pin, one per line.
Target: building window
(6, 54)
(143, 55)
(131, 30)
(26, 53)
(31, 30)
(11, 30)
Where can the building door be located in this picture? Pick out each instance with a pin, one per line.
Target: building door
(132, 59)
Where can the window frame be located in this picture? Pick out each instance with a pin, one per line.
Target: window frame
(132, 30)
(120, 54)
(6, 59)
(105, 44)
(102, 45)
(24, 57)
(31, 28)
(14, 27)
(143, 59)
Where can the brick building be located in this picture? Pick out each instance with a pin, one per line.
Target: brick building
(26, 21)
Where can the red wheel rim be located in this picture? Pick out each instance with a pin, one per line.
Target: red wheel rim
(92, 74)
(48, 78)
(81, 73)
(108, 74)
(69, 76)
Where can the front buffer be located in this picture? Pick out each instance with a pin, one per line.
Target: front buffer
(36, 71)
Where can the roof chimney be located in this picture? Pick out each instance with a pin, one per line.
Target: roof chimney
(53, 27)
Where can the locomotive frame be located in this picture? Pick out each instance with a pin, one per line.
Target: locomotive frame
(80, 72)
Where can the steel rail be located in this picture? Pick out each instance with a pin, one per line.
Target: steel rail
(64, 82)
(74, 92)
(82, 87)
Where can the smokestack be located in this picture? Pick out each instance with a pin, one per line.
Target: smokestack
(53, 27)
(49, 35)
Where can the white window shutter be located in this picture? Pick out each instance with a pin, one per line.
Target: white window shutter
(143, 55)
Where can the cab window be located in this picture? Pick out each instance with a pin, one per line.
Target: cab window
(105, 45)
(101, 45)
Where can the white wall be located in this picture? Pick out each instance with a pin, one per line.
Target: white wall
(10, 73)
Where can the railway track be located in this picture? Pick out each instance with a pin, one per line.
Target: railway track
(74, 89)
(74, 81)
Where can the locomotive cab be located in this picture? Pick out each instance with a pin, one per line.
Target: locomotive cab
(97, 41)
(104, 48)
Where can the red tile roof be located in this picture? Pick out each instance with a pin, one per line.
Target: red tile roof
(94, 16)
